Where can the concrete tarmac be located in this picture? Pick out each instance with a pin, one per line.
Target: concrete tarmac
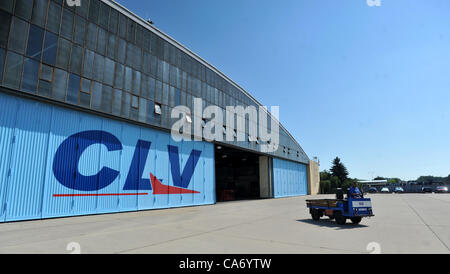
(404, 223)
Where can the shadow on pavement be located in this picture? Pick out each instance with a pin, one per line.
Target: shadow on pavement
(331, 224)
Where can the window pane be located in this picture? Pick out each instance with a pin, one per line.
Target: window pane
(126, 97)
(13, 70)
(171, 96)
(165, 97)
(144, 86)
(104, 15)
(67, 24)
(142, 110)
(76, 59)
(5, 22)
(165, 72)
(99, 67)
(50, 46)
(23, 8)
(136, 88)
(131, 30)
(121, 49)
(118, 76)
(177, 97)
(146, 62)
(109, 72)
(83, 10)
(2, 62)
(80, 30)
(153, 65)
(158, 92)
(101, 41)
(139, 37)
(159, 70)
(94, 11)
(17, 40)
(85, 99)
(128, 79)
(62, 60)
(111, 48)
(45, 88)
(134, 113)
(35, 39)
(146, 42)
(88, 63)
(86, 85)
(130, 55)
(73, 89)
(113, 20)
(39, 12)
(91, 37)
(151, 88)
(46, 73)
(60, 85)
(54, 17)
(30, 75)
(122, 26)
(106, 98)
(117, 102)
(96, 95)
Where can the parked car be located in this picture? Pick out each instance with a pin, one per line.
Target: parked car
(373, 190)
(426, 189)
(399, 190)
(441, 189)
(385, 190)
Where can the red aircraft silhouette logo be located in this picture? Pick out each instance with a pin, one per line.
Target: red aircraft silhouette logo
(159, 188)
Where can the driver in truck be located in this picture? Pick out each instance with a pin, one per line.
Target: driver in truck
(354, 191)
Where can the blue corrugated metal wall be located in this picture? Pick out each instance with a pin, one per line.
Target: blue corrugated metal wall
(32, 132)
(289, 178)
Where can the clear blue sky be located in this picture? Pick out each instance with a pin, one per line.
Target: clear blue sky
(368, 84)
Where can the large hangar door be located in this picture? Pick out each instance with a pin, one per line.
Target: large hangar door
(289, 178)
(238, 175)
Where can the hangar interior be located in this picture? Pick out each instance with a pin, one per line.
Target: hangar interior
(239, 175)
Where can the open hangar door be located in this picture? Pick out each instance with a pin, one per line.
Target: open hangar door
(241, 175)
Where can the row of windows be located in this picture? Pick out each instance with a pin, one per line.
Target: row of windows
(123, 79)
(46, 47)
(29, 75)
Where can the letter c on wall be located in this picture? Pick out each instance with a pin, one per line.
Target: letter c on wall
(65, 163)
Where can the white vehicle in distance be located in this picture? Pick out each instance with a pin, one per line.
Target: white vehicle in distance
(385, 190)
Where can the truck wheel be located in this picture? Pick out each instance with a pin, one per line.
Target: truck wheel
(315, 214)
(340, 220)
(356, 220)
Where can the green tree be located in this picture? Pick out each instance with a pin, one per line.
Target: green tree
(325, 175)
(339, 170)
(334, 183)
(325, 187)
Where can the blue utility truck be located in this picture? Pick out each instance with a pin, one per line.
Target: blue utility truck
(340, 209)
